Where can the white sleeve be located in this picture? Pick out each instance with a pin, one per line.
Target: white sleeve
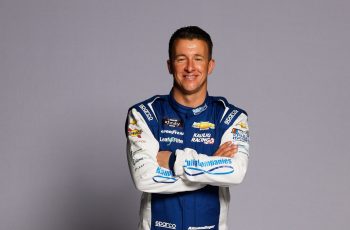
(142, 150)
(220, 171)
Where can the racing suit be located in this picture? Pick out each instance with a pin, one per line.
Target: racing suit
(193, 193)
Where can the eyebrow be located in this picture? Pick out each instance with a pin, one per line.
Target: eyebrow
(183, 55)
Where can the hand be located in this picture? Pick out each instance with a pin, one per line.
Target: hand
(227, 149)
(163, 159)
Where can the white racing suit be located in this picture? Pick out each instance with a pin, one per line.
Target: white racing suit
(194, 193)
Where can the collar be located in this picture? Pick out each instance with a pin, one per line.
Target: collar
(188, 110)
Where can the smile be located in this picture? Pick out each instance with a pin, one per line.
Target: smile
(190, 77)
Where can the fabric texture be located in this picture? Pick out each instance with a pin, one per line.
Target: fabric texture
(193, 193)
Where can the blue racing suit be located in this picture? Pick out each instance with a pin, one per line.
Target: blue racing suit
(194, 193)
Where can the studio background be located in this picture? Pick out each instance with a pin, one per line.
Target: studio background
(69, 70)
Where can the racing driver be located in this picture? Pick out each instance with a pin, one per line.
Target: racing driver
(184, 149)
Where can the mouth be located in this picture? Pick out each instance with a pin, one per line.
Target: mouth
(190, 77)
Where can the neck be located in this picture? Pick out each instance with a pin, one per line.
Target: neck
(189, 100)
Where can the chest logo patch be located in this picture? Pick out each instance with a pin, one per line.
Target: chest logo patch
(203, 138)
(172, 122)
(203, 125)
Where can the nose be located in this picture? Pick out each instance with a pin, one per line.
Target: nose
(189, 66)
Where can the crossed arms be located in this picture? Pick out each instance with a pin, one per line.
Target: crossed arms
(149, 167)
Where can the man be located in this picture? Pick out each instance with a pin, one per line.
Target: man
(184, 149)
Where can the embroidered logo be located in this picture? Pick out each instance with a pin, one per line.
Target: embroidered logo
(204, 125)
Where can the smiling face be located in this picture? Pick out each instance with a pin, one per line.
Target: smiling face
(190, 66)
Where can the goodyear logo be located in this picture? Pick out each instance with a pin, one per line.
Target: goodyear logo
(204, 125)
(134, 132)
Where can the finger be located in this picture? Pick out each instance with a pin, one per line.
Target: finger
(221, 148)
(226, 148)
(229, 151)
(225, 145)
(229, 147)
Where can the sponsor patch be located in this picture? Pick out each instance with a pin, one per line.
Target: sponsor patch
(198, 163)
(230, 116)
(173, 132)
(204, 125)
(211, 167)
(134, 132)
(164, 176)
(202, 227)
(170, 140)
(138, 167)
(165, 225)
(147, 112)
(203, 138)
(132, 122)
(139, 141)
(136, 160)
(239, 135)
(175, 123)
(242, 125)
(199, 110)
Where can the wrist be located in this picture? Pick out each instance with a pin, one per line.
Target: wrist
(171, 163)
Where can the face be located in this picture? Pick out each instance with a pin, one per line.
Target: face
(190, 66)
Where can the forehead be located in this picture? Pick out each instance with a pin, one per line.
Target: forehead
(190, 45)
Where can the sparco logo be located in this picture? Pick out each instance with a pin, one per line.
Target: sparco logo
(230, 116)
(145, 110)
(165, 225)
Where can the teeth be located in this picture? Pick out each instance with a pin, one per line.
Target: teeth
(190, 77)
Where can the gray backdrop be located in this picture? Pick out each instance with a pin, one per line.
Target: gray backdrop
(70, 69)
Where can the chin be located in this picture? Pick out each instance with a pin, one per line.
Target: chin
(190, 90)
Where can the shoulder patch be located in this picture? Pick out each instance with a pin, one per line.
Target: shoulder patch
(146, 108)
(230, 113)
(150, 116)
(229, 118)
(147, 111)
(234, 113)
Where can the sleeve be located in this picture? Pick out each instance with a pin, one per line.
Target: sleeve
(142, 150)
(219, 171)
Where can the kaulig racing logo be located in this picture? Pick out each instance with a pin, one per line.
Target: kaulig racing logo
(165, 225)
(203, 138)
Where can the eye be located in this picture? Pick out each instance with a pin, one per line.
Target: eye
(198, 58)
(180, 59)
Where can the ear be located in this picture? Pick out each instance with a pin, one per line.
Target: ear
(170, 68)
(211, 66)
